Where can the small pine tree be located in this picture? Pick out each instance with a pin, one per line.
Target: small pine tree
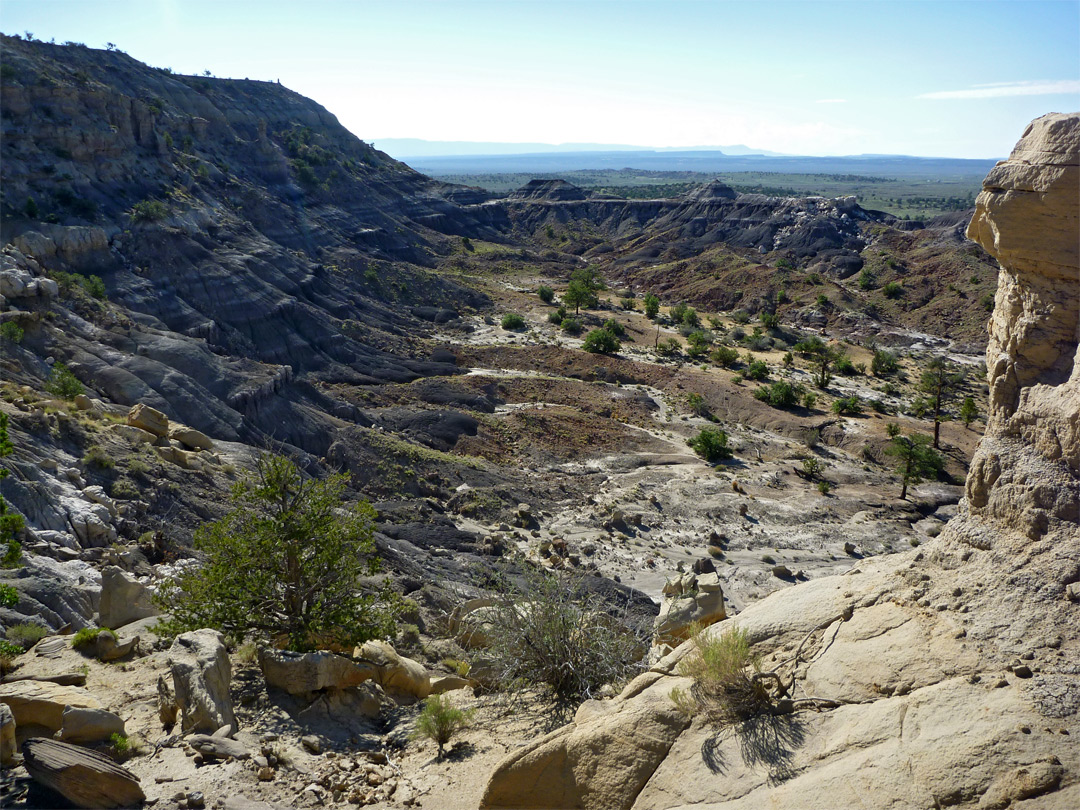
(917, 459)
(440, 721)
(969, 412)
(10, 522)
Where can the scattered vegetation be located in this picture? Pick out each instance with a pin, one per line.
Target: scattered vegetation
(11, 523)
(11, 332)
(780, 394)
(149, 211)
(601, 341)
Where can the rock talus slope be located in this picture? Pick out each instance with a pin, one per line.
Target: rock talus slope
(955, 665)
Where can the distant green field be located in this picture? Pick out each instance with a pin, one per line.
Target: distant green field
(914, 197)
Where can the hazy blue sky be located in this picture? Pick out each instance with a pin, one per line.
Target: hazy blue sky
(958, 79)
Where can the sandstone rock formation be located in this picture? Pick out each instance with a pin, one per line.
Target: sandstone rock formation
(83, 777)
(954, 665)
(123, 599)
(307, 673)
(691, 598)
(201, 674)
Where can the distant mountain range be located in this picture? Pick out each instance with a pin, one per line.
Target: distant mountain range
(712, 160)
(405, 148)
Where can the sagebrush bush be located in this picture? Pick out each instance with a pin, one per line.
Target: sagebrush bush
(512, 321)
(553, 634)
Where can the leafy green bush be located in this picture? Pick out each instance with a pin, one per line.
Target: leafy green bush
(652, 306)
(741, 317)
(893, 289)
(697, 344)
(769, 320)
(616, 328)
(149, 211)
(26, 634)
(884, 363)
(63, 383)
(287, 561)
(845, 366)
(601, 341)
(439, 721)
(8, 651)
(669, 347)
(512, 321)
(87, 636)
(9, 597)
(725, 356)
(556, 317)
(756, 370)
(867, 279)
(628, 303)
(97, 456)
(120, 744)
(711, 444)
(781, 394)
(571, 326)
(11, 332)
(546, 294)
(851, 406)
(917, 459)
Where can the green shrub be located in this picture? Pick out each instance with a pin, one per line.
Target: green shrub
(62, 383)
(124, 489)
(571, 326)
(894, 289)
(120, 744)
(460, 668)
(741, 317)
(851, 406)
(149, 211)
(669, 347)
(756, 370)
(601, 341)
(824, 487)
(26, 634)
(556, 317)
(615, 328)
(822, 300)
(884, 363)
(725, 356)
(31, 208)
(8, 650)
(845, 366)
(97, 456)
(95, 286)
(769, 320)
(9, 597)
(439, 721)
(87, 636)
(628, 303)
(11, 332)
(546, 294)
(781, 394)
(711, 444)
(809, 400)
(512, 321)
(697, 344)
(696, 403)
(867, 279)
(652, 306)
(987, 302)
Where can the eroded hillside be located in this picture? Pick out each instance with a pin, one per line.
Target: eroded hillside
(223, 252)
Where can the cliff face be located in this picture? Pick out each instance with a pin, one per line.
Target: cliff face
(953, 667)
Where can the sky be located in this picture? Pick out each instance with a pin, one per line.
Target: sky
(919, 77)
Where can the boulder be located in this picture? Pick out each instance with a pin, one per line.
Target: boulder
(201, 674)
(599, 762)
(449, 683)
(134, 434)
(214, 747)
(83, 777)
(190, 437)
(123, 599)
(149, 419)
(107, 647)
(306, 673)
(689, 599)
(7, 737)
(81, 725)
(393, 672)
(185, 459)
(41, 703)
